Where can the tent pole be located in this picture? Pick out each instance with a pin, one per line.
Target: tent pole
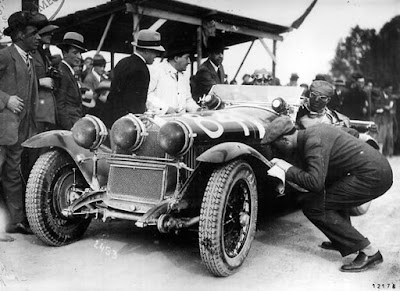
(274, 63)
(199, 43)
(245, 57)
(105, 32)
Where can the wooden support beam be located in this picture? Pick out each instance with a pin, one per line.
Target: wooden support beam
(105, 32)
(245, 57)
(197, 21)
(247, 31)
(156, 25)
(268, 50)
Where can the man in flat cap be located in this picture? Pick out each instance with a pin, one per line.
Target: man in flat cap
(169, 89)
(68, 94)
(315, 110)
(341, 172)
(211, 72)
(130, 83)
(18, 98)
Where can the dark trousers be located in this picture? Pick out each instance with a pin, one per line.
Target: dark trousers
(10, 159)
(329, 211)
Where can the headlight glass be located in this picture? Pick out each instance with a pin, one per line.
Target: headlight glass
(128, 133)
(280, 105)
(175, 138)
(89, 132)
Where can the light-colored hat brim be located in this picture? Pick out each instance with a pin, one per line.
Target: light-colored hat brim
(159, 48)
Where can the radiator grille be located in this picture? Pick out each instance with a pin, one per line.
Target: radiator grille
(139, 184)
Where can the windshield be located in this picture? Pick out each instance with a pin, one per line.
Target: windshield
(257, 94)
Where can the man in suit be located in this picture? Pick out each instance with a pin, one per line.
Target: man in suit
(18, 97)
(341, 172)
(68, 94)
(131, 78)
(46, 107)
(211, 72)
(92, 81)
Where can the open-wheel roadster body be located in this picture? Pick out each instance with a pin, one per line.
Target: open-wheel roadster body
(204, 170)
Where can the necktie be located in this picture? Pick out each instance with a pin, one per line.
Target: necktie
(28, 64)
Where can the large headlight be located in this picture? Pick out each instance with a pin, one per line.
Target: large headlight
(279, 105)
(175, 138)
(128, 132)
(89, 132)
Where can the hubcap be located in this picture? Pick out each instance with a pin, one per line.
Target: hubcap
(237, 219)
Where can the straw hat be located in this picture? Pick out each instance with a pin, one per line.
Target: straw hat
(149, 39)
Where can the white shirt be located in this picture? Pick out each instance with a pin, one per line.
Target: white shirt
(169, 88)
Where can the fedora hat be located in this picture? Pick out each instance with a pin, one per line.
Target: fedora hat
(103, 86)
(48, 28)
(21, 19)
(99, 60)
(72, 39)
(149, 39)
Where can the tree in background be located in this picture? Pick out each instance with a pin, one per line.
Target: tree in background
(376, 56)
(355, 54)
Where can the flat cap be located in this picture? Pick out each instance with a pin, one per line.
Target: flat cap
(322, 88)
(278, 127)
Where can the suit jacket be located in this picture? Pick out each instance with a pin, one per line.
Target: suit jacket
(91, 81)
(328, 154)
(15, 80)
(205, 78)
(129, 88)
(46, 107)
(68, 99)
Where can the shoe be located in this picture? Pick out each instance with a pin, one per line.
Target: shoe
(327, 245)
(19, 228)
(363, 262)
(5, 238)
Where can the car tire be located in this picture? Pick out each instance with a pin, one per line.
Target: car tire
(47, 193)
(228, 218)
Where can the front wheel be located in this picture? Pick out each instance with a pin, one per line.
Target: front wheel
(228, 218)
(52, 186)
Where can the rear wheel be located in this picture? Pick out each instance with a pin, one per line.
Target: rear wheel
(51, 189)
(228, 218)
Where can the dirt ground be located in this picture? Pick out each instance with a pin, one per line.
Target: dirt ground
(284, 256)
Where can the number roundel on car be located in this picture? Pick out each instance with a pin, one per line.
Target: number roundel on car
(89, 132)
(128, 132)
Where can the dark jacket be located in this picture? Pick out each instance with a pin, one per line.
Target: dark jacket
(328, 154)
(129, 88)
(15, 80)
(46, 107)
(68, 99)
(354, 102)
(205, 78)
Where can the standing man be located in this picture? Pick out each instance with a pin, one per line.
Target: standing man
(355, 101)
(130, 82)
(46, 107)
(92, 81)
(169, 89)
(18, 97)
(341, 172)
(68, 94)
(293, 80)
(211, 72)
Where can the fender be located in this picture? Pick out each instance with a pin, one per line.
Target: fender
(83, 157)
(228, 151)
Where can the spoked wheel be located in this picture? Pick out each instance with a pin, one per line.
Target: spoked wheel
(51, 188)
(228, 218)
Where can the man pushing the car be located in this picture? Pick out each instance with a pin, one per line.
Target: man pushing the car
(341, 172)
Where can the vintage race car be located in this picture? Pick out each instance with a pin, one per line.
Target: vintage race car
(204, 170)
